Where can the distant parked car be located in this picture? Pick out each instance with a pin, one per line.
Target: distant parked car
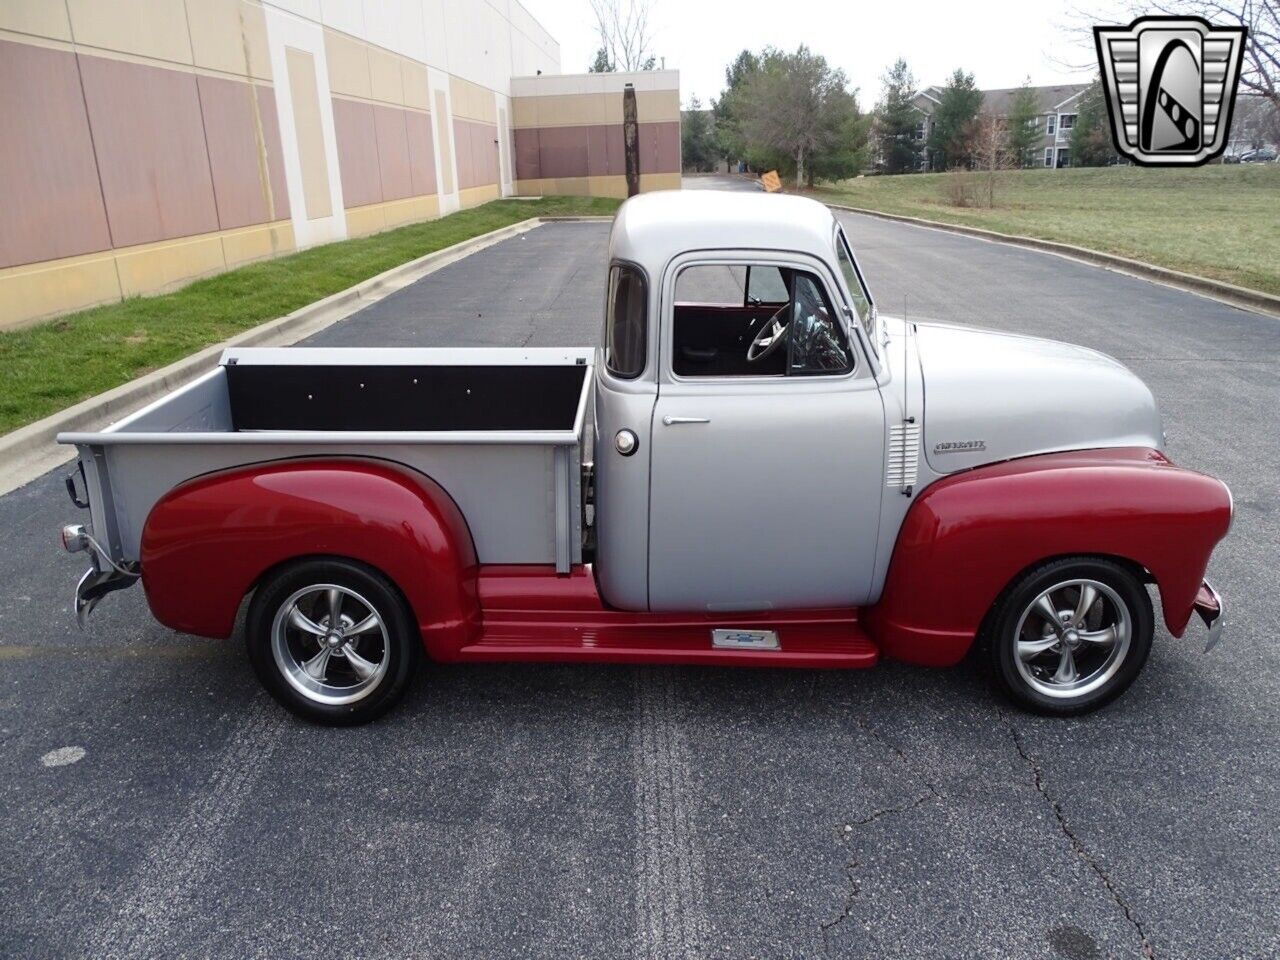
(1258, 156)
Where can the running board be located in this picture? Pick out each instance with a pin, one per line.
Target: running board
(528, 613)
(837, 643)
(850, 654)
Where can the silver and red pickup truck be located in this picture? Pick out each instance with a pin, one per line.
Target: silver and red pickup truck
(756, 468)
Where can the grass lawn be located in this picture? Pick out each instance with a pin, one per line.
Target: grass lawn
(1221, 222)
(60, 362)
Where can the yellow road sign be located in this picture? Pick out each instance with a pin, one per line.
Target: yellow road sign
(771, 181)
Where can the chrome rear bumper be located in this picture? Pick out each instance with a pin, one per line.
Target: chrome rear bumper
(93, 586)
(1209, 605)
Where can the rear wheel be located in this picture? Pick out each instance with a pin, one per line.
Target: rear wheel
(332, 640)
(1070, 635)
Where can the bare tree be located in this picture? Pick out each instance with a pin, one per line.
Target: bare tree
(625, 39)
(1256, 122)
(989, 148)
(1260, 71)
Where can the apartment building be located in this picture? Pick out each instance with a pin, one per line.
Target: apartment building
(1055, 117)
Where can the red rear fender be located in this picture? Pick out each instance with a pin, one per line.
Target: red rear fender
(208, 541)
(966, 537)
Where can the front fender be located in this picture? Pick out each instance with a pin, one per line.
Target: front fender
(967, 536)
(207, 541)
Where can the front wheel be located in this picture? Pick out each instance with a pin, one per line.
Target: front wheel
(1070, 635)
(332, 640)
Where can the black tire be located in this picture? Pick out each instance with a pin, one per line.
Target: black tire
(1042, 681)
(363, 673)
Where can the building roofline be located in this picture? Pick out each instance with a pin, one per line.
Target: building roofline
(1011, 90)
(1075, 96)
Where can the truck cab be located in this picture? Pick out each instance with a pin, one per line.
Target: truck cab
(744, 353)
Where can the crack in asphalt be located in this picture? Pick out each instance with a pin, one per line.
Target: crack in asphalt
(549, 309)
(1077, 844)
(879, 738)
(850, 870)
(851, 867)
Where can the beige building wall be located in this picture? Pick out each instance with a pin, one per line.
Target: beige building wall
(569, 138)
(150, 142)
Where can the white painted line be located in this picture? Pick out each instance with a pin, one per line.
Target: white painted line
(63, 756)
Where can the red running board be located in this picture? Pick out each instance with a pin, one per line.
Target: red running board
(530, 613)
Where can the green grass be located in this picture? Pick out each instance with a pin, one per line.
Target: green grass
(1221, 222)
(60, 362)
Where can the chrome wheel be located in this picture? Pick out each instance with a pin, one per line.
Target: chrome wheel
(1072, 638)
(330, 644)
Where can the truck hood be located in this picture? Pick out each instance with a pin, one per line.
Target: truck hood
(991, 396)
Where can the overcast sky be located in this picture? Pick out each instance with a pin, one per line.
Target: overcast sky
(1000, 41)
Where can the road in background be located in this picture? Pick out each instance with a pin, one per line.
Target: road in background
(709, 181)
(555, 810)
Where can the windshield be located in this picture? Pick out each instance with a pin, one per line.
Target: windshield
(853, 280)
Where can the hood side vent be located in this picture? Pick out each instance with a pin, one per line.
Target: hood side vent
(904, 455)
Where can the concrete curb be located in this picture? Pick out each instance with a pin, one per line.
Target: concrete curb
(31, 451)
(1228, 293)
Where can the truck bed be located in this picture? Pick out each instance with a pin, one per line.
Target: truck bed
(501, 430)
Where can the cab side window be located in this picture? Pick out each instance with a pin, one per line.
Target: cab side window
(626, 322)
(815, 338)
(765, 285)
(755, 320)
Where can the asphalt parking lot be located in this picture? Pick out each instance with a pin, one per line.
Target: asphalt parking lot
(572, 811)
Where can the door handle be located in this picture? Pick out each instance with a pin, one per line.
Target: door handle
(673, 421)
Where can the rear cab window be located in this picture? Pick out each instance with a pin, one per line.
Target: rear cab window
(626, 331)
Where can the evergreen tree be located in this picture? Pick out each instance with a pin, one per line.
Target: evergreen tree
(1091, 144)
(601, 63)
(953, 123)
(725, 111)
(1023, 131)
(697, 142)
(798, 111)
(849, 150)
(896, 120)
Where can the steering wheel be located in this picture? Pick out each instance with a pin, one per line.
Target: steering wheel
(771, 336)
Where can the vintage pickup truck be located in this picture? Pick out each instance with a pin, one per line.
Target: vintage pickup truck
(781, 476)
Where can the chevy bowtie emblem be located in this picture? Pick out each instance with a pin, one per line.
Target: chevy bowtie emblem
(1171, 85)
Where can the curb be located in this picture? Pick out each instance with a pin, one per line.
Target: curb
(1242, 297)
(32, 451)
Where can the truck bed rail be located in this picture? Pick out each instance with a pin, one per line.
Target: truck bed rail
(501, 430)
